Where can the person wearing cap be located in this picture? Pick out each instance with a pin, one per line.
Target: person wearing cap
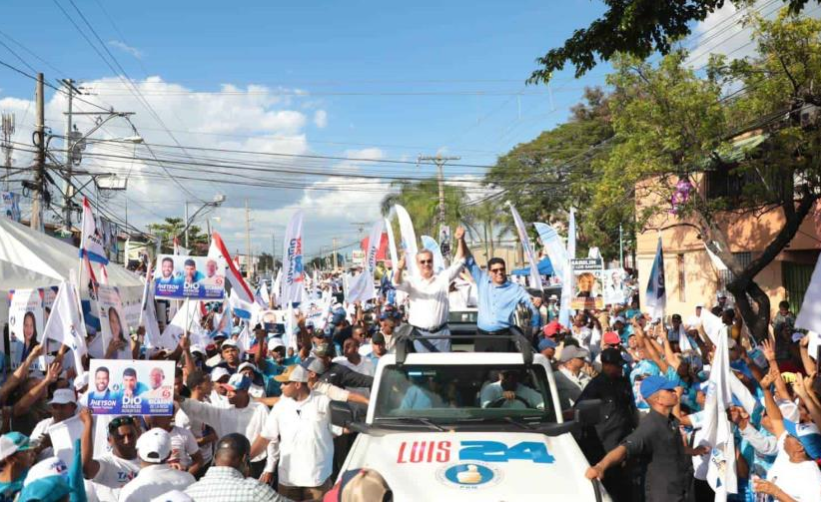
(315, 368)
(156, 476)
(112, 470)
(428, 295)
(547, 347)
(16, 457)
(379, 348)
(669, 469)
(63, 405)
(360, 485)
(299, 433)
(185, 452)
(241, 416)
(49, 481)
(508, 392)
(388, 320)
(338, 374)
(570, 379)
(229, 479)
(261, 386)
(229, 351)
(499, 298)
(218, 395)
(619, 417)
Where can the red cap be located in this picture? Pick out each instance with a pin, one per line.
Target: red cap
(552, 328)
(254, 349)
(611, 337)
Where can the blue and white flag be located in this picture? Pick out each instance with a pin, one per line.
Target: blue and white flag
(91, 240)
(535, 278)
(65, 324)
(553, 246)
(656, 300)
(432, 245)
(293, 275)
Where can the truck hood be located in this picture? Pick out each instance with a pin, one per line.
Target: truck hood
(472, 466)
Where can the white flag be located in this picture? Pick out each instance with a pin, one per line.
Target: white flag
(535, 278)
(148, 313)
(91, 240)
(374, 241)
(391, 245)
(277, 287)
(188, 316)
(717, 432)
(294, 271)
(65, 325)
(408, 236)
(656, 299)
(809, 317)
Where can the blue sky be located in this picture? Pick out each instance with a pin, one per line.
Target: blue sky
(360, 79)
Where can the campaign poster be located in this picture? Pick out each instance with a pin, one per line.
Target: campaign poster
(194, 277)
(11, 205)
(132, 302)
(25, 322)
(49, 295)
(112, 319)
(587, 284)
(131, 387)
(614, 286)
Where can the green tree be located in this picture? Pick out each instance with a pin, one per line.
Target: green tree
(421, 199)
(173, 227)
(543, 178)
(673, 125)
(634, 27)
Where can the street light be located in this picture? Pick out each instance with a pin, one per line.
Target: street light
(218, 200)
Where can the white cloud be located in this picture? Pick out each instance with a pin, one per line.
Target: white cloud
(321, 119)
(250, 118)
(122, 46)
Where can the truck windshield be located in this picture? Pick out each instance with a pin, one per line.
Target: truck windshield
(469, 392)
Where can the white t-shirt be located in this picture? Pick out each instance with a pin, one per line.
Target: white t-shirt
(802, 481)
(248, 421)
(302, 440)
(153, 481)
(183, 446)
(198, 430)
(114, 473)
(365, 367)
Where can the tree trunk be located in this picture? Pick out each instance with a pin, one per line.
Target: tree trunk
(756, 315)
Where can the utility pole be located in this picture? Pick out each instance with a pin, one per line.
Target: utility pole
(7, 129)
(333, 241)
(248, 240)
(36, 222)
(440, 161)
(69, 161)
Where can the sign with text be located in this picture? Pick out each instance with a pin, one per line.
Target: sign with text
(25, 322)
(194, 277)
(130, 387)
(587, 283)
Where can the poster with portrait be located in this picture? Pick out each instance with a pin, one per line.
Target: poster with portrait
(587, 283)
(614, 286)
(11, 205)
(25, 322)
(49, 295)
(193, 277)
(112, 318)
(131, 387)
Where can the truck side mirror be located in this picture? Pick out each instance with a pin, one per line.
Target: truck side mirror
(588, 412)
(341, 414)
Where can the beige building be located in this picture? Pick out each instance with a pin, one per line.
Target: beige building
(691, 277)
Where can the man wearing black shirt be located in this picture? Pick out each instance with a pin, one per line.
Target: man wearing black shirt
(619, 418)
(658, 441)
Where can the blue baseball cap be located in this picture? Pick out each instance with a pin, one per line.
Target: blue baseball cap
(338, 316)
(546, 343)
(808, 435)
(655, 383)
(48, 489)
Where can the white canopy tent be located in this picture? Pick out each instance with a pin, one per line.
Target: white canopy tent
(29, 259)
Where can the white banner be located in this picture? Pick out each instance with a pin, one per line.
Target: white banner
(373, 246)
(65, 324)
(535, 278)
(91, 239)
(809, 317)
(292, 266)
(408, 238)
(391, 244)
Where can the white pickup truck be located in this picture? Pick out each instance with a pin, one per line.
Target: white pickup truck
(467, 426)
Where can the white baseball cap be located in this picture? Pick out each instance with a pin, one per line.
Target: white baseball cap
(63, 396)
(12, 443)
(218, 373)
(47, 468)
(275, 342)
(154, 446)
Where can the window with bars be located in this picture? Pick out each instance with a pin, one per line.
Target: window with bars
(726, 276)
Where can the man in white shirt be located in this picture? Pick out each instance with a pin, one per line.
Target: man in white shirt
(299, 433)
(185, 453)
(63, 422)
(570, 380)
(508, 392)
(243, 416)
(428, 296)
(156, 477)
(113, 470)
(217, 397)
(353, 360)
